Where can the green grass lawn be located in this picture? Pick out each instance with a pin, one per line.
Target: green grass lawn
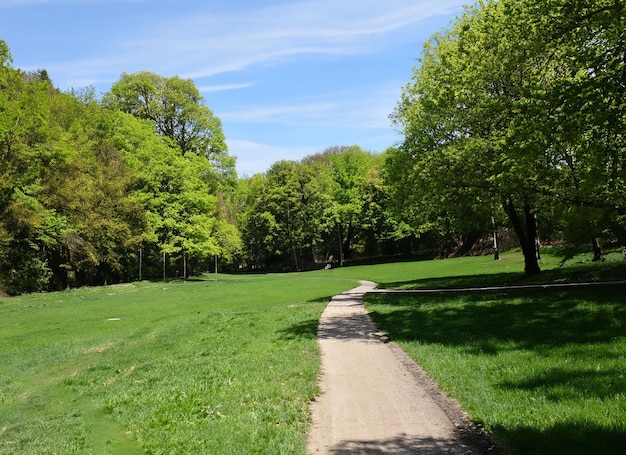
(543, 370)
(228, 364)
(225, 366)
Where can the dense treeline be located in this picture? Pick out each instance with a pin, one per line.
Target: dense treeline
(514, 118)
(90, 192)
(327, 208)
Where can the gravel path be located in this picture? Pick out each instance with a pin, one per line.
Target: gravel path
(376, 400)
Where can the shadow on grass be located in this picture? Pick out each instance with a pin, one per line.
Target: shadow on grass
(302, 330)
(560, 384)
(306, 329)
(560, 439)
(574, 273)
(486, 322)
(584, 325)
(462, 281)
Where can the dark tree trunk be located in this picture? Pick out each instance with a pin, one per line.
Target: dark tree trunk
(597, 249)
(340, 237)
(467, 241)
(347, 245)
(526, 231)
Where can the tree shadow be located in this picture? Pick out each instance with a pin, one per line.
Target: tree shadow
(302, 330)
(517, 319)
(345, 327)
(565, 439)
(580, 324)
(560, 384)
(306, 329)
(584, 272)
(400, 444)
(463, 281)
(348, 328)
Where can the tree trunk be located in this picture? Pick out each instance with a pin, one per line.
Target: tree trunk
(466, 242)
(526, 231)
(164, 276)
(347, 245)
(295, 258)
(597, 249)
(496, 247)
(340, 244)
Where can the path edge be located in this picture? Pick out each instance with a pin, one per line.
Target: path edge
(471, 433)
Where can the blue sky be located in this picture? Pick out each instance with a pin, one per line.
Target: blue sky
(288, 78)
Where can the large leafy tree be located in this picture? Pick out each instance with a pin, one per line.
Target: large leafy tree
(506, 107)
(84, 188)
(184, 213)
(464, 112)
(444, 217)
(360, 203)
(91, 188)
(344, 169)
(180, 204)
(586, 127)
(177, 110)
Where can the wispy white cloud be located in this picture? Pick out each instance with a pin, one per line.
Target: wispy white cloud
(290, 49)
(286, 114)
(210, 41)
(362, 107)
(224, 87)
(235, 40)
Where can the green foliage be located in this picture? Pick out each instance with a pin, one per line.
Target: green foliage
(506, 108)
(286, 212)
(360, 205)
(27, 226)
(176, 109)
(5, 54)
(84, 188)
(329, 204)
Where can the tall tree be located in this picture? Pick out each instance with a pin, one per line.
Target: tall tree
(91, 188)
(346, 170)
(475, 111)
(177, 110)
(587, 121)
(180, 204)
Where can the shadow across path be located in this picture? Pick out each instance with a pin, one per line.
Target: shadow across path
(372, 402)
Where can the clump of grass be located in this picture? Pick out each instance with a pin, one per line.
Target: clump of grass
(543, 370)
(225, 366)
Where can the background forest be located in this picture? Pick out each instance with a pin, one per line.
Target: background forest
(513, 120)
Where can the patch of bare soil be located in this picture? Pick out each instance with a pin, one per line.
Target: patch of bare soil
(376, 400)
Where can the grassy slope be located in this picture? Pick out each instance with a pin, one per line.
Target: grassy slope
(228, 366)
(224, 366)
(544, 370)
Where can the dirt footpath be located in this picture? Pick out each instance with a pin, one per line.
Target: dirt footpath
(375, 400)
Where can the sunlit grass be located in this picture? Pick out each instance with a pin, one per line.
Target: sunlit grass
(224, 366)
(228, 364)
(485, 271)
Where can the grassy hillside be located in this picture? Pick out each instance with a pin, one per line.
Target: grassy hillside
(228, 364)
(224, 366)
